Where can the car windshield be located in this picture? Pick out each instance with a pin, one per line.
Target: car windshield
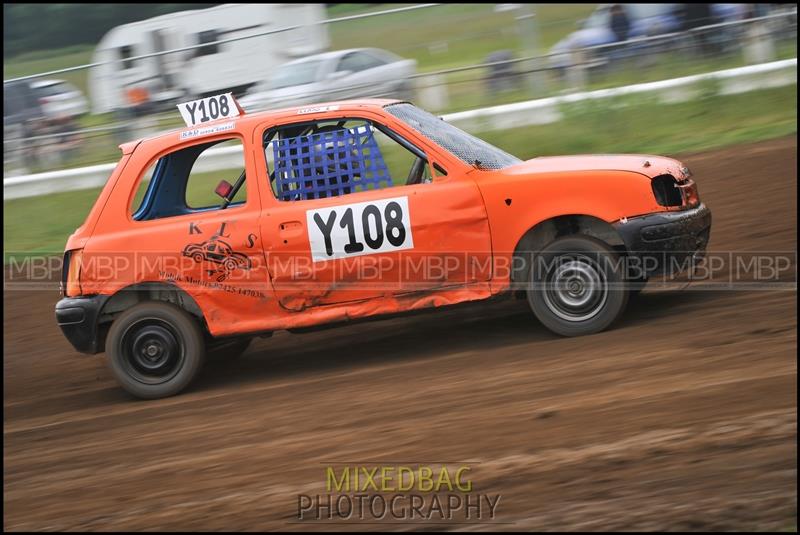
(466, 147)
(304, 72)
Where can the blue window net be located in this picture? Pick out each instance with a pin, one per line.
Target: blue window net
(329, 164)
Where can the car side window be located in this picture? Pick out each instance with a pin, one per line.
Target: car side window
(331, 158)
(185, 181)
(370, 62)
(353, 62)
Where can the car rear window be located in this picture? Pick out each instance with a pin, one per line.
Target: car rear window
(465, 147)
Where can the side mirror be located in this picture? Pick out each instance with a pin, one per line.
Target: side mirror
(223, 189)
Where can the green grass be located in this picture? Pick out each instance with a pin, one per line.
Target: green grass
(468, 89)
(640, 125)
(40, 61)
(456, 34)
(42, 224)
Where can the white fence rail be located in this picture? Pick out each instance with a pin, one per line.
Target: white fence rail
(531, 112)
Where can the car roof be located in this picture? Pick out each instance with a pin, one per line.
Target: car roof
(324, 56)
(256, 117)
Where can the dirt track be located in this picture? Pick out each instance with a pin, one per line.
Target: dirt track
(684, 416)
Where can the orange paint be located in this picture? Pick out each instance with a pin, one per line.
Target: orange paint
(478, 216)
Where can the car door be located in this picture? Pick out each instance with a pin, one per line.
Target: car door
(350, 244)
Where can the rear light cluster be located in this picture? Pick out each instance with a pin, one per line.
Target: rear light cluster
(71, 272)
(671, 193)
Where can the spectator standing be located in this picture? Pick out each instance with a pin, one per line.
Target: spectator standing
(620, 24)
(696, 15)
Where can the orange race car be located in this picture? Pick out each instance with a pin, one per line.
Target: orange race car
(351, 210)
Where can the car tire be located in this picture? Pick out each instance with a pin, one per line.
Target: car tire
(576, 286)
(197, 257)
(155, 349)
(228, 350)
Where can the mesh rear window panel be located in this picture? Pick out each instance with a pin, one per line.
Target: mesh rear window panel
(466, 147)
(329, 164)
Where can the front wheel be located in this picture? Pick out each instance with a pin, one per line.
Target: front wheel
(155, 349)
(577, 286)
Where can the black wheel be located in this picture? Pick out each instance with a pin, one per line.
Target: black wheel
(197, 257)
(155, 349)
(577, 286)
(228, 350)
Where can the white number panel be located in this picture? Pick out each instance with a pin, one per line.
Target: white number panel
(209, 109)
(359, 229)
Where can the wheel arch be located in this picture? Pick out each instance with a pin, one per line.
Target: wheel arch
(133, 294)
(548, 230)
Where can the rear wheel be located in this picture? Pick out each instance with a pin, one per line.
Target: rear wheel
(577, 286)
(155, 349)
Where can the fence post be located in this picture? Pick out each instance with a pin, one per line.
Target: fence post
(12, 150)
(758, 44)
(576, 71)
(432, 92)
(527, 27)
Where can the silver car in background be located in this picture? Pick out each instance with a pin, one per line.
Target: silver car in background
(339, 75)
(59, 99)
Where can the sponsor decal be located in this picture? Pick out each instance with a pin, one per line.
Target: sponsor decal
(317, 109)
(206, 130)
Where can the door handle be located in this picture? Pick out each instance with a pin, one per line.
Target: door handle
(290, 229)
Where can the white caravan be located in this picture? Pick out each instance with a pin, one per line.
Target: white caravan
(233, 66)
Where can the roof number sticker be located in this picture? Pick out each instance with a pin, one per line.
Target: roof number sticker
(209, 109)
(359, 229)
(317, 109)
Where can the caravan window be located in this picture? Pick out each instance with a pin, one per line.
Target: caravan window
(125, 53)
(208, 36)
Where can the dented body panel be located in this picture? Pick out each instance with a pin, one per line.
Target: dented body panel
(251, 268)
